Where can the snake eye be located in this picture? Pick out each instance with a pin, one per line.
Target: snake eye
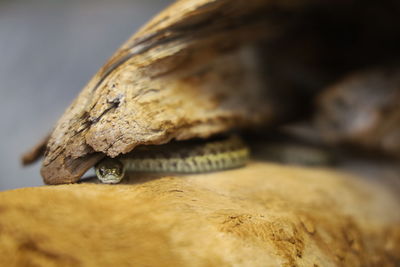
(102, 171)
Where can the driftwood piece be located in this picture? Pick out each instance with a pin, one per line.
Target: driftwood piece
(363, 110)
(260, 215)
(191, 72)
(203, 67)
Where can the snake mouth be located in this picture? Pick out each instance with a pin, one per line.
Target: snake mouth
(110, 171)
(110, 179)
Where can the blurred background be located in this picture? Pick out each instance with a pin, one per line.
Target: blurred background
(48, 51)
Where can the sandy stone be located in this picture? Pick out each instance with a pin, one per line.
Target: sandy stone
(261, 215)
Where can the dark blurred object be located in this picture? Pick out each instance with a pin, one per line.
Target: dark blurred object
(363, 109)
(324, 48)
(323, 42)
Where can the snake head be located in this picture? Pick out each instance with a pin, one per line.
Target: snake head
(110, 171)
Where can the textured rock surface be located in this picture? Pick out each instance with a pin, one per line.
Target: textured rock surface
(260, 215)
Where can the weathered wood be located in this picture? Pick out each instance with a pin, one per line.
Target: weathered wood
(175, 78)
(203, 67)
(35, 152)
(260, 215)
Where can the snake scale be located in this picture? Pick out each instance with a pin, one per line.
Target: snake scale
(191, 156)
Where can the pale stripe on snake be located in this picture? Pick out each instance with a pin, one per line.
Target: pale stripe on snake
(192, 156)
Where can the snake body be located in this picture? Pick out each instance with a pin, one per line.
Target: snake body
(192, 156)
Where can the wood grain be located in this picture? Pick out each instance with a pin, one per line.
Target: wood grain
(203, 67)
(193, 71)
